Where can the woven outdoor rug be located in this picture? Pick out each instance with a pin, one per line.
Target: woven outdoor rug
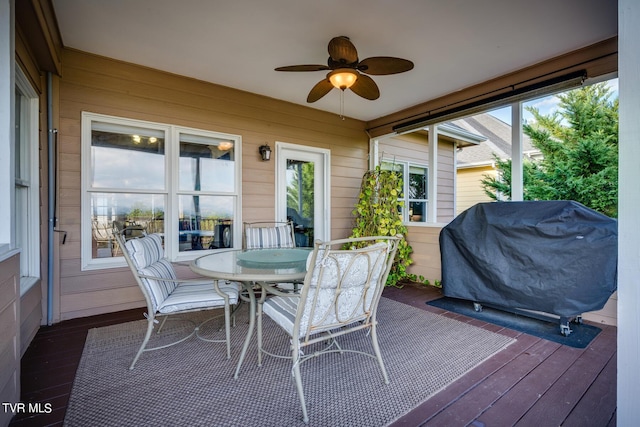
(191, 384)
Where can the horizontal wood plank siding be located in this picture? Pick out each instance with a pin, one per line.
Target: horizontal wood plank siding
(426, 252)
(9, 333)
(424, 239)
(469, 191)
(446, 180)
(105, 86)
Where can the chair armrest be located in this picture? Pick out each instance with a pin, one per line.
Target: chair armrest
(163, 279)
(270, 289)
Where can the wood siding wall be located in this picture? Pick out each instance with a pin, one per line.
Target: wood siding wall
(101, 85)
(9, 333)
(424, 239)
(469, 189)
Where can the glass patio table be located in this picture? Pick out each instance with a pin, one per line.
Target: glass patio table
(250, 267)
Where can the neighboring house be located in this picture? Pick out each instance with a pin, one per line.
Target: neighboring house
(477, 162)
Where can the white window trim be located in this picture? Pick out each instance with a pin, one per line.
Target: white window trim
(30, 138)
(406, 165)
(171, 192)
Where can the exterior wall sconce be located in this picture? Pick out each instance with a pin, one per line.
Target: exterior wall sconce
(265, 152)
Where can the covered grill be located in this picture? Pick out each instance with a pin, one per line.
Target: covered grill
(556, 257)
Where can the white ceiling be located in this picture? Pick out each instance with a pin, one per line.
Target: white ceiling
(238, 43)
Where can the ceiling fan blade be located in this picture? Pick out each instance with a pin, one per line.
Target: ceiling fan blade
(366, 87)
(382, 65)
(321, 88)
(310, 67)
(342, 50)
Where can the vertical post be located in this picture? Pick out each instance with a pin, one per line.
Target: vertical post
(628, 410)
(517, 176)
(7, 120)
(432, 185)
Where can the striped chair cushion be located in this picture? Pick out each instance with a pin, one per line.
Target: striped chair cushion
(269, 237)
(159, 290)
(194, 295)
(147, 254)
(145, 250)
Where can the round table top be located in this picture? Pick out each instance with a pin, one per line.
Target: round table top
(254, 264)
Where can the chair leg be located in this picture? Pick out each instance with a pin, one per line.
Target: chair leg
(260, 304)
(298, 379)
(150, 321)
(164, 319)
(376, 349)
(227, 328)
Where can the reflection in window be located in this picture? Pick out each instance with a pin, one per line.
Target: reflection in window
(300, 200)
(153, 178)
(26, 208)
(206, 164)
(127, 157)
(121, 211)
(205, 222)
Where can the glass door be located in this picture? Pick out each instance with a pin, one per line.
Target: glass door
(302, 183)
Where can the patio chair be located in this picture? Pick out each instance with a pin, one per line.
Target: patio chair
(167, 295)
(340, 295)
(268, 235)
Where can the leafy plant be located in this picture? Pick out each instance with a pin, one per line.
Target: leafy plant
(377, 213)
(579, 144)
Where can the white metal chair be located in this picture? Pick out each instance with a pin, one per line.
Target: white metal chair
(167, 295)
(340, 295)
(268, 235)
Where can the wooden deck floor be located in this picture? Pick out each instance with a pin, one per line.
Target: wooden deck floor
(533, 382)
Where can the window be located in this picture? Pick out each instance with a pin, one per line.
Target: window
(26, 197)
(414, 193)
(182, 183)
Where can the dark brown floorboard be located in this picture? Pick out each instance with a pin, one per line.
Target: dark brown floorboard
(533, 382)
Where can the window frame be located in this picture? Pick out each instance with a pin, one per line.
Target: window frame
(406, 200)
(28, 144)
(170, 192)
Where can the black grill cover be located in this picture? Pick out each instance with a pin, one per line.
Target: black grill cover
(558, 257)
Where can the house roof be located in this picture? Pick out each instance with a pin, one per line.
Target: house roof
(498, 141)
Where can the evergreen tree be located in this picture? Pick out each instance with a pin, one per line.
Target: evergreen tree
(579, 144)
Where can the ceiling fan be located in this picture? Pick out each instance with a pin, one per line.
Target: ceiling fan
(347, 72)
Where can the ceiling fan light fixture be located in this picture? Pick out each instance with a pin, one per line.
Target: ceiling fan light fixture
(343, 78)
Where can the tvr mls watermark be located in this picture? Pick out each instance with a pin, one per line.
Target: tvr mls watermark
(27, 408)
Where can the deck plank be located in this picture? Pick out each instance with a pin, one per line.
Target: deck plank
(558, 402)
(473, 403)
(522, 396)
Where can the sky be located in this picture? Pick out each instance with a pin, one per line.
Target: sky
(545, 105)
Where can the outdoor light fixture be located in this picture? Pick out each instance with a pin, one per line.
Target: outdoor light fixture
(343, 78)
(265, 152)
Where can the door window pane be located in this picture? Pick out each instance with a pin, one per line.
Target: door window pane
(300, 200)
